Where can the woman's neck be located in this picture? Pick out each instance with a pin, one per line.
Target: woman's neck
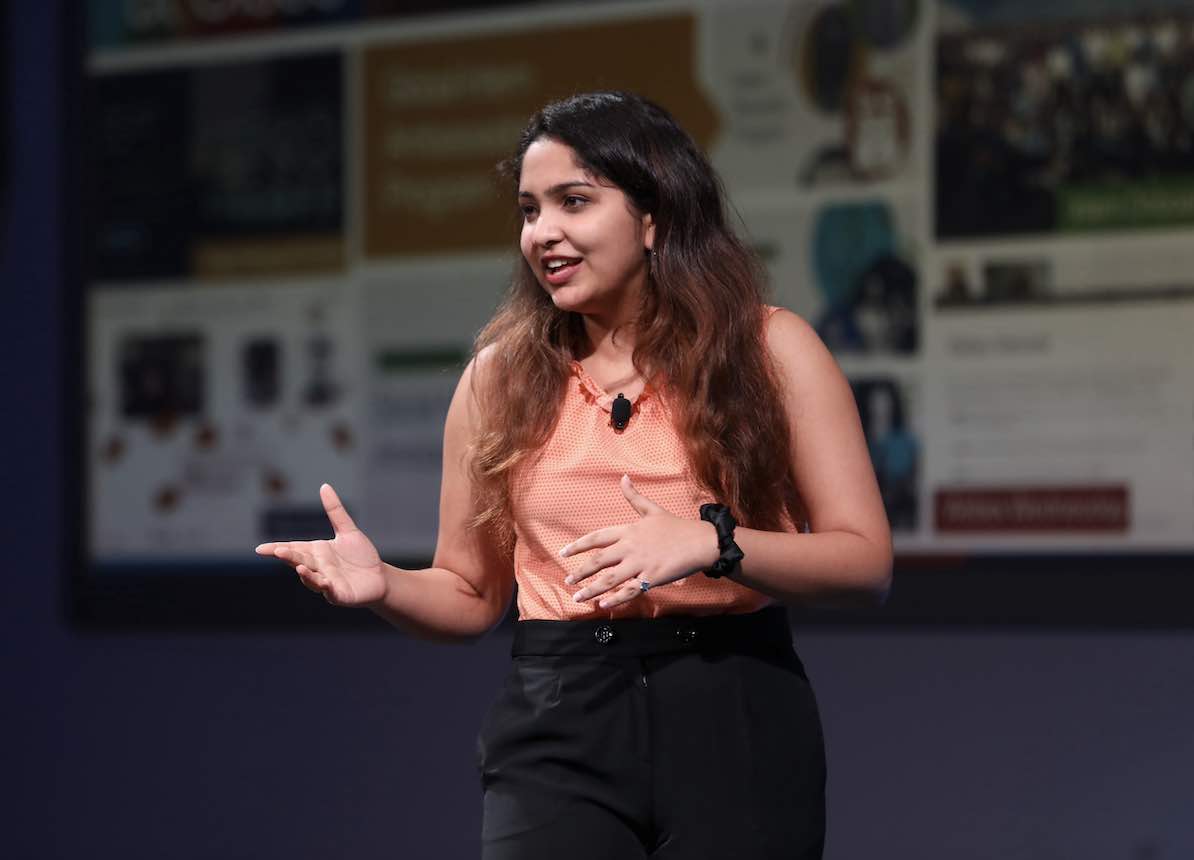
(609, 345)
(612, 333)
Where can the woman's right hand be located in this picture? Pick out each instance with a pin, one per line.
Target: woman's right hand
(346, 570)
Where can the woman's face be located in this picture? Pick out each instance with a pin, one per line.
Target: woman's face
(581, 236)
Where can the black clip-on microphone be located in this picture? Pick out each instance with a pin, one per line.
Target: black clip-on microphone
(619, 412)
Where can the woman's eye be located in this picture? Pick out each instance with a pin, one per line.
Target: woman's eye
(573, 202)
(528, 212)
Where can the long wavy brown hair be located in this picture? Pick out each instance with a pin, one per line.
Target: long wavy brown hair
(699, 327)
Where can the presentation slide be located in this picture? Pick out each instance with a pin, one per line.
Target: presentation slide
(986, 210)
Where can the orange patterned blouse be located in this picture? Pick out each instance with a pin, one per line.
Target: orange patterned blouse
(571, 487)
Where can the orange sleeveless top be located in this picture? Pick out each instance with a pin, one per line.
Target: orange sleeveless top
(572, 487)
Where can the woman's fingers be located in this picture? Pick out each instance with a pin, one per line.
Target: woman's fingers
(599, 538)
(293, 555)
(341, 522)
(607, 581)
(596, 563)
(283, 551)
(311, 561)
(313, 573)
(309, 578)
(637, 500)
(624, 593)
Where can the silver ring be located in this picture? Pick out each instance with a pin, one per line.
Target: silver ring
(643, 585)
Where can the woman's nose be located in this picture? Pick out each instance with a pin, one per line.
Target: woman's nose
(547, 230)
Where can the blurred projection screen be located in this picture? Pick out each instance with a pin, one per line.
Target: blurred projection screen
(295, 230)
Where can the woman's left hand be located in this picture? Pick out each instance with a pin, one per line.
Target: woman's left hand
(658, 548)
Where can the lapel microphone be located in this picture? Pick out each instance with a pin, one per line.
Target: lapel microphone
(619, 412)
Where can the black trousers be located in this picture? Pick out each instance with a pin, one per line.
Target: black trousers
(676, 738)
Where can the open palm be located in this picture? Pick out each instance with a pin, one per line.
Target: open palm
(346, 569)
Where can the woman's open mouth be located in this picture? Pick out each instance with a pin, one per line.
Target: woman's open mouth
(560, 269)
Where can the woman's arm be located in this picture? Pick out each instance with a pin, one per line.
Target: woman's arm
(846, 559)
(468, 587)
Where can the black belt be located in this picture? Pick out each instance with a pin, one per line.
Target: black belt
(765, 630)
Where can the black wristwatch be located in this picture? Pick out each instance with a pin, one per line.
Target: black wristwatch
(731, 554)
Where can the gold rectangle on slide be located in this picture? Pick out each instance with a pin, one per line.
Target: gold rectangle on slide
(288, 255)
(440, 114)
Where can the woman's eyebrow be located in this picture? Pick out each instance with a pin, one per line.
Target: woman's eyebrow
(559, 188)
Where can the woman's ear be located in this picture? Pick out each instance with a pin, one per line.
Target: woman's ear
(648, 232)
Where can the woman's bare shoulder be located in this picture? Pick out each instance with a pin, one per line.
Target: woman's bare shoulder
(788, 335)
(806, 367)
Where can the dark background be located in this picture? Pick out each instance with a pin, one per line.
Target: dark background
(943, 742)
